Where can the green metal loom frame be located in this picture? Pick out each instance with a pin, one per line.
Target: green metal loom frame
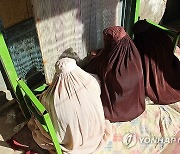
(40, 113)
(173, 34)
(27, 100)
(135, 17)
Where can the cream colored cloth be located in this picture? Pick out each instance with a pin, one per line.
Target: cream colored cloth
(40, 136)
(74, 104)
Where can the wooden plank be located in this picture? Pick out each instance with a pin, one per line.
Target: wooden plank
(15, 11)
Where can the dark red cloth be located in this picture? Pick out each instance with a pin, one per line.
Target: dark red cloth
(24, 142)
(118, 66)
(161, 67)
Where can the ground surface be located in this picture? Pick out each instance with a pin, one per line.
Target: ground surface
(8, 121)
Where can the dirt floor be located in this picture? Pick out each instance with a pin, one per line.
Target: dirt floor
(9, 121)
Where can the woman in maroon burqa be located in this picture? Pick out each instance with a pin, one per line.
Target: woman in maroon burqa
(118, 66)
(161, 67)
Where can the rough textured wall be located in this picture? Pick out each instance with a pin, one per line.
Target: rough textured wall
(152, 10)
(62, 24)
(4, 88)
(15, 11)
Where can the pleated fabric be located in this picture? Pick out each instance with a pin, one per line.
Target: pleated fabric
(74, 104)
(161, 67)
(40, 136)
(119, 68)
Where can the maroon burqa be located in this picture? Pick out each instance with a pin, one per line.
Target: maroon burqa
(161, 67)
(118, 66)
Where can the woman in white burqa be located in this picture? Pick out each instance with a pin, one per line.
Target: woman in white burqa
(74, 104)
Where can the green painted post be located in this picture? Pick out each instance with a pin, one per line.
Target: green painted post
(12, 75)
(171, 33)
(168, 31)
(42, 111)
(52, 133)
(35, 101)
(7, 63)
(135, 8)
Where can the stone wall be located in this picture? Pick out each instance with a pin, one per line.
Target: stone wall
(152, 10)
(63, 24)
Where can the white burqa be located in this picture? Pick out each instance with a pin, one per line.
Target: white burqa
(74, 104)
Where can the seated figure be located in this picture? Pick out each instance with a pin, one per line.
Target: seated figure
(161, 67)
(74, 104)
(118, 65)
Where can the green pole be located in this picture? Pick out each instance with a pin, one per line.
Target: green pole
(12, 75)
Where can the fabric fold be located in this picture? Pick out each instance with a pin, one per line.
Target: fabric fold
(118, 65)
(74, 104)
(161, 67)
